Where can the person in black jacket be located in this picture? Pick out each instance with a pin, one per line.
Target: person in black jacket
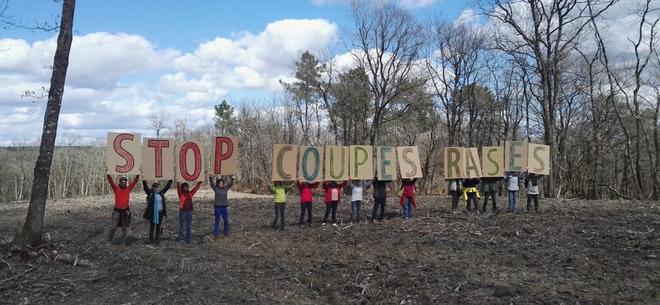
(156, 207)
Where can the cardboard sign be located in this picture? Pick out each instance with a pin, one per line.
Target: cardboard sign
(472, 163)
(538, 161)
(310, 164)
(189, 158)
(515, 153)
(123, 155)
(336, 163)
(409, 164)
(157, 159)
(285, 157)
(361, 164)
(224, 160)
(386, 163)
(454, 162)
(492, 161)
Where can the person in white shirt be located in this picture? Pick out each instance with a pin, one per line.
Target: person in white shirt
(532, 185)
(512, 187)
(357, 188)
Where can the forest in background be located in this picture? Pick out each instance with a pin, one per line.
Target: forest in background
(541, 71)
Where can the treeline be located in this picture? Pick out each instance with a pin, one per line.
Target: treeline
(437, 84)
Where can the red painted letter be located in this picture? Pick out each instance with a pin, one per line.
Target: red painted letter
(116, 145)
(158, 145)
(219, 155)
(185, 174)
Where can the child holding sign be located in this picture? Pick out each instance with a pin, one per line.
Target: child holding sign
(471, 194)
(220, 204)
(512, 187)
(455, 188)
(408, 197)
(279, 189)
(306, 198)
(380, 198)
(357, 188)
(332, 198)
(489, 186)
(121, 215)
(532, 183)
(186, 210)
(156, 208)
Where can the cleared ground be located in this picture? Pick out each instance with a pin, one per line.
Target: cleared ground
(571, 252)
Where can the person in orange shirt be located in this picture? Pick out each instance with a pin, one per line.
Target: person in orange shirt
(186, 210)
(121, 215)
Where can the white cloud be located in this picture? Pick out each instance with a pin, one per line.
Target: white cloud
(118, 81)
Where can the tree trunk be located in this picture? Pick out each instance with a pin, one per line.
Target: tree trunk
(33, 227)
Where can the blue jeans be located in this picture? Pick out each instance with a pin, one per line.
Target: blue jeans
(512, 200)
(407, 209)
(185, 225)
(355, 210)
(224, 212)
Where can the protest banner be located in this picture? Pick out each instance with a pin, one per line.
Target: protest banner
(538, 161)
(409, 163)
(492, 161)
(515, 154)
(157, 159)
(454, 158)
(123, 154)
(285, 157)
(310, 164)
(386, 163)
(224, 160)
(472, 163)
(336, 163)
(190, 161)
(361, 162)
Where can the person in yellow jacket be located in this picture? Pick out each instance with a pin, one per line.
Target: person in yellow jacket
(471, 193)
(280, 190)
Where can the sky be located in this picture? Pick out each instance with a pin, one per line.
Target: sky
(134, 59)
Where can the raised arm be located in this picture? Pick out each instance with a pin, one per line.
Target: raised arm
(314, 185)
(113, 185)
(145, 187)
(367, 184)
(342, 185)
(133, 182)
(230, 183)
(178, 189)
(196, 188)
(212, 184)
(167, 187)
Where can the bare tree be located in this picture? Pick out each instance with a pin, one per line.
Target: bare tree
(159, 123)
(33, 228)
(387, 43)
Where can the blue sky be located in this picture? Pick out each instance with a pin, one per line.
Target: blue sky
(132, 59)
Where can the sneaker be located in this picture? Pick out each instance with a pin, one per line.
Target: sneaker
(334, 224)
(324, 224)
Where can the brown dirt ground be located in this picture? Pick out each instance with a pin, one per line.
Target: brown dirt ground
(572, 252)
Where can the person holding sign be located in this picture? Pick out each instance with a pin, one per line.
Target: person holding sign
(471, 194)
(156, 208)
(357, 188)
(408, 197)
(121, 215)
(220, 203)
(455, 189)
(380, 198)
(512, 188)
(280, 190)
(306, 198)
(332, 198)
(186, 209)
(532, 185)
(489, 186)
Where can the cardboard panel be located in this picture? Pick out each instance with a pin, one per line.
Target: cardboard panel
(189, 158)
(472, 163)
(361, 164)
(336, 163)
(386, 163)
(310, 164)
(515, 154)
(538, 160)
(157, 159)
(224, 159)
(492, 161)
(123, 155)
(454, 162)
(285, 157)
(409, 163)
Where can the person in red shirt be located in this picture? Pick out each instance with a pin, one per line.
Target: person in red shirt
(332, 198)
(121, 215)
(306, 198)
(186, 210)
(408, 197)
